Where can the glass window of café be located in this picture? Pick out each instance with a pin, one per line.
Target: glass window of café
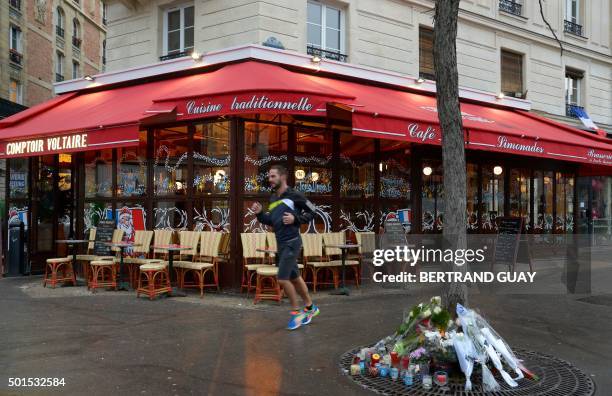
(492, 204)
(170, 150)
(132, 169)
(520, 190)
(432, 196)
(313, 161)
(394, 188)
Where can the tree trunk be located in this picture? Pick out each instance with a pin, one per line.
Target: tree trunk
(453, 145)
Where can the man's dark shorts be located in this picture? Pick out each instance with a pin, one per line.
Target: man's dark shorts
(287, 259)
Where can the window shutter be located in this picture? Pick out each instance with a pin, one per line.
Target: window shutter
(426, 61)
(511, 73)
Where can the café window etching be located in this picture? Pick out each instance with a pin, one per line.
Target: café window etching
(170, 215)
(357, 218)
(212, 216)
(98, 173)
(211, 158)
(132, 169)
(170, 165)
(356, 167)
(313, 161)
(94, 212)
(178, 30)
(264, 146)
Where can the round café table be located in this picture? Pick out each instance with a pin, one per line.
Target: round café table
(172, 248)
(72, 246)
(122, 246)
(343, 290)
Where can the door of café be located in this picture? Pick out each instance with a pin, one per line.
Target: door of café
(52, 213)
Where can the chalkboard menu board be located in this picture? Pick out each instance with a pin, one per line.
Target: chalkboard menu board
(508, 239)
(104, 233)
(394, 234)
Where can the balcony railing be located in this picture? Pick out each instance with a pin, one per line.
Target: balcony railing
(15, 56)
(59, 77)
(573, 28)
(175, 55)
(570, 110)
(59, 31)
(16, 4)
(332, 55)
(76, 42)
(511, 7)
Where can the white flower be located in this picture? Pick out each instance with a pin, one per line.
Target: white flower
(436, 300)
(427, 313)
(437, 310)
(420, 305)
(411, 314)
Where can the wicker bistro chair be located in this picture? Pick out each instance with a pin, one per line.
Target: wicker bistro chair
(224, 247)
(116, 238)
(315, 261)
(335, 254)
(251, 241)
(142, 240)
(153, 279)
(271, 242)
(88, 257)
(186, 238)
(204, 262)
(266, 285)
(162, 237)
(103, 274)
(61, 265)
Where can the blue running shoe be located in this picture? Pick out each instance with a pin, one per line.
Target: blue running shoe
(310, 313)
(297, 319)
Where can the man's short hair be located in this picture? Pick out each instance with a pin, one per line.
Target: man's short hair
(280, 169)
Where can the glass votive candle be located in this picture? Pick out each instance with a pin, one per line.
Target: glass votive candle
(355, 369)
(427, 381)
(441, 378)
(394, 373)
(408, 378)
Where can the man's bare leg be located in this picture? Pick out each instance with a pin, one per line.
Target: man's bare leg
(302, 289)
(287, 285)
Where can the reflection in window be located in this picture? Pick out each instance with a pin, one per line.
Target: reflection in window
(565, 203)
(492, 196)
(472, 197)
(170, 149)
(394, 170)
(18, 183)
(313, 174)
(212, 216)
(519, 195)
(98, 173)
(543, 202)
(211, 158)
(432, 199)
(356, 166)
(264, 146)
(170, 215)
(322, 221)
(132, 168)
(18, 213)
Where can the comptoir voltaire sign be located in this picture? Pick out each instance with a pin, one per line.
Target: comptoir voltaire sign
(45, 145)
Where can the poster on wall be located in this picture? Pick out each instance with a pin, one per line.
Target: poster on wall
(129, 220)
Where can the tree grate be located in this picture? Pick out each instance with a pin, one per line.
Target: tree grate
(557, 378)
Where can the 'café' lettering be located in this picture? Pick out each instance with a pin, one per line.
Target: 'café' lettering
(420, 134)
(56, 143)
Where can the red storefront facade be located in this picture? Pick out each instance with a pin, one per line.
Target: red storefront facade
(189, 147)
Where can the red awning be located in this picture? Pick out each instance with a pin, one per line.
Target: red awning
(112, 117)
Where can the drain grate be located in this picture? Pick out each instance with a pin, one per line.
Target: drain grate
(557, 378)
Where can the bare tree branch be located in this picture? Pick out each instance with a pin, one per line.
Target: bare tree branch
(550, 27)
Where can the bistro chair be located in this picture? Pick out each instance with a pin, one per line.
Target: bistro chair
(162, 237)
(153, 279)
(224, 247)
(116, 238)
(367, 245)
(185, 257)
(335, 254)
(142, 242)
(103, 274)
(88, 257)
(315, 262)
(60, 264)
(251, 241)
(266, 284)
(271, 241)
(204, 262)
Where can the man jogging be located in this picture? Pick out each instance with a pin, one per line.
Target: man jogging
(288, 209)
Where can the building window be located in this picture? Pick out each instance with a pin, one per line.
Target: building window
(178, 31)
(15, 92)
(512, 74)
(75, 69)
(16, 4)
(59, 67)
(573, 97)
(60, 22)
(426, 60)
(76, 33)
(325, 37)
(572, 17)
(511, 6)
(104, 52)
(104, 12)
(15, 44)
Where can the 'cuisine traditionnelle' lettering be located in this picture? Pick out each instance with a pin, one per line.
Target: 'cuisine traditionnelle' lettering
(49, 144)
(256, 102)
